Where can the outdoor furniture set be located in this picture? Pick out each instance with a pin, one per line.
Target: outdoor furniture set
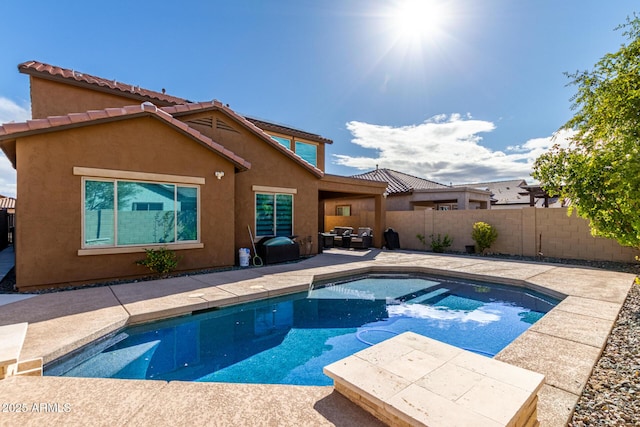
(344, 237)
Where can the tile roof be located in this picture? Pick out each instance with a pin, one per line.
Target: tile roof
(178, 110)
(273, 127)
(400, 182)
(504, 192)
(52, 72)
(11, 131)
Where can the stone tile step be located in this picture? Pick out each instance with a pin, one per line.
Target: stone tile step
(434, 384)
(11, 341)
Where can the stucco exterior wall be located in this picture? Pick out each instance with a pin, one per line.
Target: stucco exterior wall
(525, 231)
(269, 168)
(50, 210)
(49, 98)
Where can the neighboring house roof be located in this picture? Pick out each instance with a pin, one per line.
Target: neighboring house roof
(9, 132)
(504, 192)
(273, 127)
(7, 203)
(51, 72)
(400, 182)
(197, 107)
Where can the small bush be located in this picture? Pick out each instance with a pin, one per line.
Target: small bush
(440, 244)
(484, 235)
(161, 261)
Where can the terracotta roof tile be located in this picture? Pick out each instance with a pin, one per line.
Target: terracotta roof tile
(11, 131)
(52, 72)
(38, 124)
(399, 182)
(14, 127)
(274, 127)
(59, 121)
(77, 117)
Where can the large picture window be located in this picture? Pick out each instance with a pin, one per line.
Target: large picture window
(274, 214)
(124, 213)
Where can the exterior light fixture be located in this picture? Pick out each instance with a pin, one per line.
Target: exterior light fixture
(219, 174)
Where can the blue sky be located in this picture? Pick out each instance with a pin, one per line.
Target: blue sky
(456, 91)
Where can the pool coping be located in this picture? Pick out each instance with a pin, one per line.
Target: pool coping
(564, 345)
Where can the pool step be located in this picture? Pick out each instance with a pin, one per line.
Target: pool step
(27, 368)
(411, 380)
(427, 296)
(11, 340)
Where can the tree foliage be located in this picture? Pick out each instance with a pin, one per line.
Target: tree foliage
(600, 169)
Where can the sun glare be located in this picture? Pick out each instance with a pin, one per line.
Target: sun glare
(419, 20)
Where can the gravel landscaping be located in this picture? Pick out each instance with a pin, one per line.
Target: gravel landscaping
(612, 394)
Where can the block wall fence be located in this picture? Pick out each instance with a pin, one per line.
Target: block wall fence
(526, 231)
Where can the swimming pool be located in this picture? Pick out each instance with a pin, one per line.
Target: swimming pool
(288, 340)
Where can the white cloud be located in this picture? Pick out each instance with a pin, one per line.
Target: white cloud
(10, 112)
(445, 149)
(7, 177)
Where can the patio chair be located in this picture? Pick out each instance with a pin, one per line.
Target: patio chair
(363, 240)
(339, 232)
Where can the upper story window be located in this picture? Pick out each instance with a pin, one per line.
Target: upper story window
(308, 152)
(285, 142)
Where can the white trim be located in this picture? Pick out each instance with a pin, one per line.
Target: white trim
(138, 249)
(281, 190)
(138, 176)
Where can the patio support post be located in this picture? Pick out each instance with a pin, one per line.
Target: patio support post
(463, 201)
(380, 220)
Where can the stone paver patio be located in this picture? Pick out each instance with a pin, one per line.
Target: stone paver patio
(563, 346)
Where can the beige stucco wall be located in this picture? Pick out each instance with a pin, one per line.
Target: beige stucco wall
(269, 168)
(525, 231)
(49, 228)
(49, 98)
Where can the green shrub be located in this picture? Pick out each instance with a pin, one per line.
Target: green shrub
(161, 261)
(484, 235)
(440, 244)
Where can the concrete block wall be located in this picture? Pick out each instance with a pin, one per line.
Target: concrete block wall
(526, 231)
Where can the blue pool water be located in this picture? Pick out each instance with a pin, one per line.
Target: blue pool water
(289, 340)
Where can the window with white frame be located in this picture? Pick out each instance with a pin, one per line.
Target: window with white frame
(274, 214)
(119, 212)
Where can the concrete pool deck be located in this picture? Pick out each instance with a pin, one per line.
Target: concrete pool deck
(563, 346)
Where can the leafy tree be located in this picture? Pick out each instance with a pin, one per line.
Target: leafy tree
(600, 169)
